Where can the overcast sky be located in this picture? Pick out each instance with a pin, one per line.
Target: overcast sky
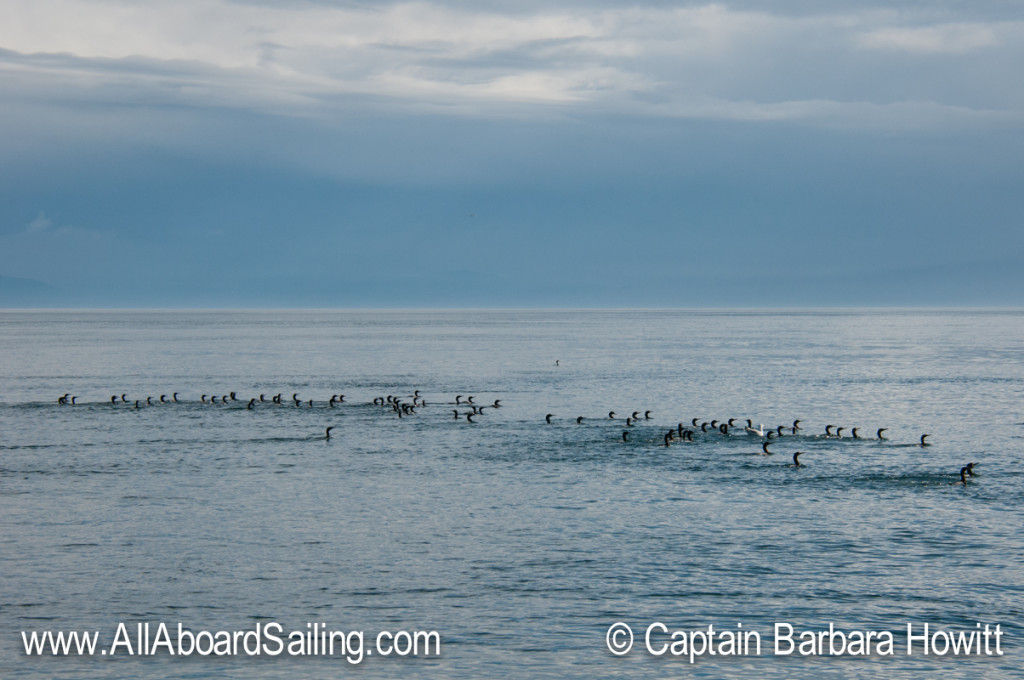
(557, 153)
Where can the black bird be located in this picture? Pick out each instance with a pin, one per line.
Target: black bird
(548, 418)
(880, 431)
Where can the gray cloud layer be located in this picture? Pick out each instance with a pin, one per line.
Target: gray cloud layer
(841, 63)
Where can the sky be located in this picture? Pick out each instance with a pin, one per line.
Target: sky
(565, 153)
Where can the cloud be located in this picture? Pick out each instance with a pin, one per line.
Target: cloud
(326, 59)
(40, 224)
(43, 227)
(941, 39)
(205, 141)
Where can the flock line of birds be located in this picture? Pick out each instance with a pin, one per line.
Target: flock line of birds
(402, 408)
(684, 433)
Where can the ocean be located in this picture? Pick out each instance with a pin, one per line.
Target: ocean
(518, 542)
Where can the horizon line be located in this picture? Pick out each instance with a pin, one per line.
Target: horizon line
(723, 308)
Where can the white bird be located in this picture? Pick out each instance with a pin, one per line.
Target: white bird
(759, 431)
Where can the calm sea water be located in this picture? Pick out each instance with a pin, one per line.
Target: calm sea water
(520, 542)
